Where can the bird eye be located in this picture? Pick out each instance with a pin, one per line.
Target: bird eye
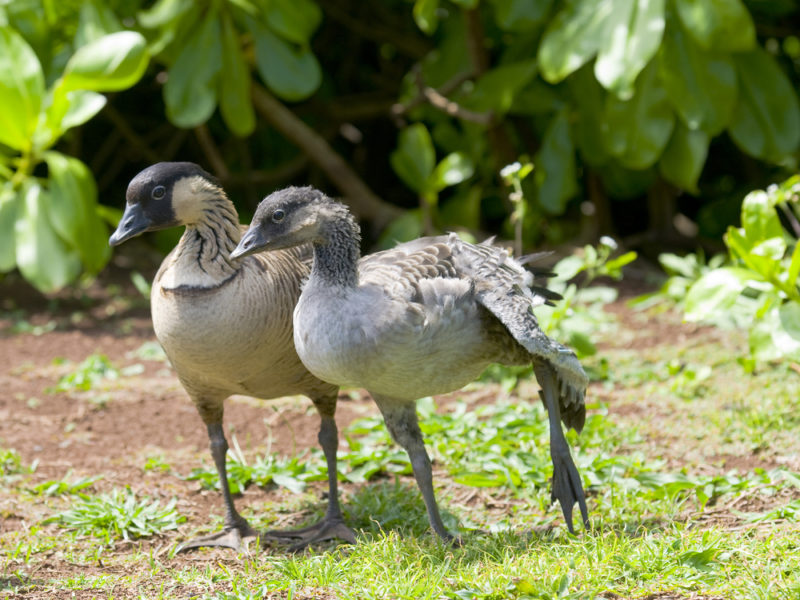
(278, 216)
(159, 192)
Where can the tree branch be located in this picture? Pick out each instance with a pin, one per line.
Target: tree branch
(362, 199)
(439, 100)
(211, 151)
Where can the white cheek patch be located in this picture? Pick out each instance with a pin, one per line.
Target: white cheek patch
(187, 199)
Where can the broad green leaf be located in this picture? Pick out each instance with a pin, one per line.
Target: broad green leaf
(715, 292)
(520, 15)
(21, 90)
(684, 157)
(234, 93)
(452, 170)
(759, 218)
(415, 157)
(292, 73)
(700, 85)
(42, 256)
(636, 28)
(639, 128)
(406, 227)
(110, 63)
(589, 132)
(790, 323)
(724, 25)
(9, 200)
(766, 120)
(758, 258)
(495, 89)
(555, 174)
(574, 36)
(293, 20)
(163, 12)
(191, 89)
(424, 12)
(96, 20)
(82, 106)
(73, 209)
(793, 274)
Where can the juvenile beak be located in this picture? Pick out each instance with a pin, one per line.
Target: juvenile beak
(252, 241)
(132, 223)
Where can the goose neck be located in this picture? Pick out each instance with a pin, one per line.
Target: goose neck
(336, 254)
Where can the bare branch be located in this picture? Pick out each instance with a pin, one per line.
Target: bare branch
(211, 151)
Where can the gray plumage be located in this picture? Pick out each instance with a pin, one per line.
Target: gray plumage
(421, 319)
(226, 326)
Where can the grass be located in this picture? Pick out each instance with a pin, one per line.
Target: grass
(689, 464)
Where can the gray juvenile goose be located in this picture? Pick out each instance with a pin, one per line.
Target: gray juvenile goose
(424, 318)
(225, 325)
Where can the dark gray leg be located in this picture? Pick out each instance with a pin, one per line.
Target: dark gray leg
(567, 486)
(332, 525)
(401, 420)
(236, 527)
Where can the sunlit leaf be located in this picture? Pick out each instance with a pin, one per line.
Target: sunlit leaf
(21, 90)
(113, 62)
(73, 194)
(759, 218)
(424, 12)
(635, 31)
(452, 170)
(718, 24)
(42, 257)
(715, 292)
(96, 20)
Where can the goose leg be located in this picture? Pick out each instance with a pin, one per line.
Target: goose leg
(567, 486)
(332, 524)
(236, 528)
(401, 420)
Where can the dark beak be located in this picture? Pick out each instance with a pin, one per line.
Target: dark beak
(133, 223)
(252, 241)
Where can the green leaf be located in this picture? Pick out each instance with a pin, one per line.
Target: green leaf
(73, 209)
(495, 89)
(700, 85)
(766, 120)
(234, 92)
(574, 36)
(718, 24)
(715, 292)
(21, 90)
(9, 201)
(520, 15)
(42, 257)
(82, 105)
(110, 63)
(759, 218)
(684, 157)
(175, 18)
(163, 12)
(96, 20)
(415, 157)
(793, 274)
(191, 89)
(292, 73)
(293, 20)
(555, 174)
(424, 12)
(639, 128)
(636, 28)
(452, 170)
(789, 313)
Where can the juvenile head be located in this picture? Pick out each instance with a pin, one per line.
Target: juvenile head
(290, 217)
(166, 194)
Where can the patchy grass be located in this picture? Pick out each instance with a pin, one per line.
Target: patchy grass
(689, 461)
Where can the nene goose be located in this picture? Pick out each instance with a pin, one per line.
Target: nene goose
(422, 319)
(226, 326)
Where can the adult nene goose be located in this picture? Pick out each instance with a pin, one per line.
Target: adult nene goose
(424, 318)
(226, 326)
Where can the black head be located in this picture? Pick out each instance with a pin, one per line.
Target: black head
(288, 217)
(161, 196)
